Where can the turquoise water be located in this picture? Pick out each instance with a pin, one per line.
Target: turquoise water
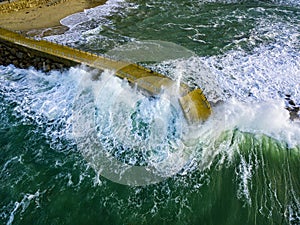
(239, 167)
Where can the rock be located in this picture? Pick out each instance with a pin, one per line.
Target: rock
(292, 107)
(47, 68)
(13, 51)
(15, 62)
(20, 55)
(40, 65)
(291, 102)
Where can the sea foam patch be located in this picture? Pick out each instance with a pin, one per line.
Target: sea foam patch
(89, 21)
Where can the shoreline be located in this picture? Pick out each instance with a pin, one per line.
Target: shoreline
(42, 16)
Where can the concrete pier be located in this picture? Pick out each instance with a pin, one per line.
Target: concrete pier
(24, 52)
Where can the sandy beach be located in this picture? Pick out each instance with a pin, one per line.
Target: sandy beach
(40, 14)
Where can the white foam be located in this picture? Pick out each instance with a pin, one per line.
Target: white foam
(269, 118)
(281, 2)
(23, 205)
(41, 98)
(132, 128)
(97, 17)
(74, 19)
(287, 2)
(97, 13)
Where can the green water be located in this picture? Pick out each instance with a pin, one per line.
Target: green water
(244, 161)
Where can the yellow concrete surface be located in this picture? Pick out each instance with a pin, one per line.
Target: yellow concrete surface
(195, 106)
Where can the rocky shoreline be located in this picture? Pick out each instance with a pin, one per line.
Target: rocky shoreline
(25, 58)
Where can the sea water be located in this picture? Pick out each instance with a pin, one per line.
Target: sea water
(74, 144)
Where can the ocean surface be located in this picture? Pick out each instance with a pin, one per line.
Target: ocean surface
(62, 133)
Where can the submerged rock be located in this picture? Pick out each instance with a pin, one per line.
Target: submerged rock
(292, 107)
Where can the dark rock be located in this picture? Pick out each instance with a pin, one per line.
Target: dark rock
(288, 96)
(40, 65)
(20, 55)
(35, 60)
(15, 62)
(291, 102)
(13, 51)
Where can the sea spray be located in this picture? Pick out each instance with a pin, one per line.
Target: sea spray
(151, 134)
